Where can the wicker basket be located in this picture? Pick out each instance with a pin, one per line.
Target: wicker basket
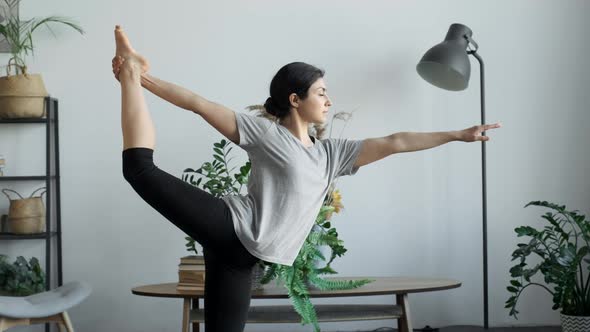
(26, 215)
(22, 96)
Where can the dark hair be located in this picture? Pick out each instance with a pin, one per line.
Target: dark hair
(295, 77)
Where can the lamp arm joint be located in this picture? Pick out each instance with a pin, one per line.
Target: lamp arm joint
(471, 41)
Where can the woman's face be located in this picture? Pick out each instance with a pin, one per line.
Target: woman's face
(314, 109)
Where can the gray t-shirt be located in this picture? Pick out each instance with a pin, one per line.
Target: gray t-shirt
(286, 187)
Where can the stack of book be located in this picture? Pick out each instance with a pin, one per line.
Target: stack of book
(191, 273)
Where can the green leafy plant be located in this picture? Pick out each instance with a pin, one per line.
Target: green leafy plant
(562, 246)
(305, 271)
(21, 278)
(190, 245)
(18, 33)
(220, 182)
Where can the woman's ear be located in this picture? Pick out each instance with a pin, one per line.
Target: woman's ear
(294, 100)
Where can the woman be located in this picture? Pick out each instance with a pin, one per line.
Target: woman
(290, 176)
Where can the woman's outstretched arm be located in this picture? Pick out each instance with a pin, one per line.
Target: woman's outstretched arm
(374, 149)
(172, 93)
(220, 117)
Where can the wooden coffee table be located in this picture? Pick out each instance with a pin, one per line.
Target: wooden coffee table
(398, 286)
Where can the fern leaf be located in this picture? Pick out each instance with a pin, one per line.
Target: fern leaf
(299, 286)
(324, 284)
(299, 305)
(311, 314)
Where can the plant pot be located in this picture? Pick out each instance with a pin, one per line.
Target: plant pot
(324, 249)
(22, 96)
(575, 323)
(257, 274)
(326, 252)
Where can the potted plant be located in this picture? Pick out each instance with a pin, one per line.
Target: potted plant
(306, 271)
(21, 95)
(563, 247)
(21, 278)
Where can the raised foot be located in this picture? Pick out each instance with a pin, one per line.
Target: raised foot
(125, 52)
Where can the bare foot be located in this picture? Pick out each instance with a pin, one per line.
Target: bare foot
(124, 52)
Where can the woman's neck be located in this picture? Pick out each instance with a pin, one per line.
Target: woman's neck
(297, 126)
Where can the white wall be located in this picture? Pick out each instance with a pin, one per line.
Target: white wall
(416, 214)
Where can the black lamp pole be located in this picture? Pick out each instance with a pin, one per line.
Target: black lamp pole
(447, 66)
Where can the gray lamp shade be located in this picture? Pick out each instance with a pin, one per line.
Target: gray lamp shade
(446, 65)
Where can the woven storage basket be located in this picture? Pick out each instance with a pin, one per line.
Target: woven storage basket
(22, 96)
(26, 215)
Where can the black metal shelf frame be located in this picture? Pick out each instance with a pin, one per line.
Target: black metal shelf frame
(52, 183)
(30, 177)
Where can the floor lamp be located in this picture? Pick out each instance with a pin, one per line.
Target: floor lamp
(447, 66)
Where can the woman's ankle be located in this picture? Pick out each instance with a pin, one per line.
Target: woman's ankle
(130, 70)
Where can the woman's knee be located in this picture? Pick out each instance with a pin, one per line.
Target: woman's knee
(137, 161)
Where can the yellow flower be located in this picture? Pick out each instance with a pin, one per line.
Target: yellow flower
(333, 199)
(337, 201)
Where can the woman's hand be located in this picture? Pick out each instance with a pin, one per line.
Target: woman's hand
(116, 64)
(473, 134)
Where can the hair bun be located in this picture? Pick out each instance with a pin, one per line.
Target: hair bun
(270, 107)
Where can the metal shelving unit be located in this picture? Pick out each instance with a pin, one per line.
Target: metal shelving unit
(52, 183)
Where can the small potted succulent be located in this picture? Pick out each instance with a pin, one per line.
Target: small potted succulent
(563, 247)
(21, 95)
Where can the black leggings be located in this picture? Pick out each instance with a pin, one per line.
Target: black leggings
(208, 220)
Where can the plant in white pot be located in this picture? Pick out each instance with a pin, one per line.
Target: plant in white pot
(564, 247)
(21, 94)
